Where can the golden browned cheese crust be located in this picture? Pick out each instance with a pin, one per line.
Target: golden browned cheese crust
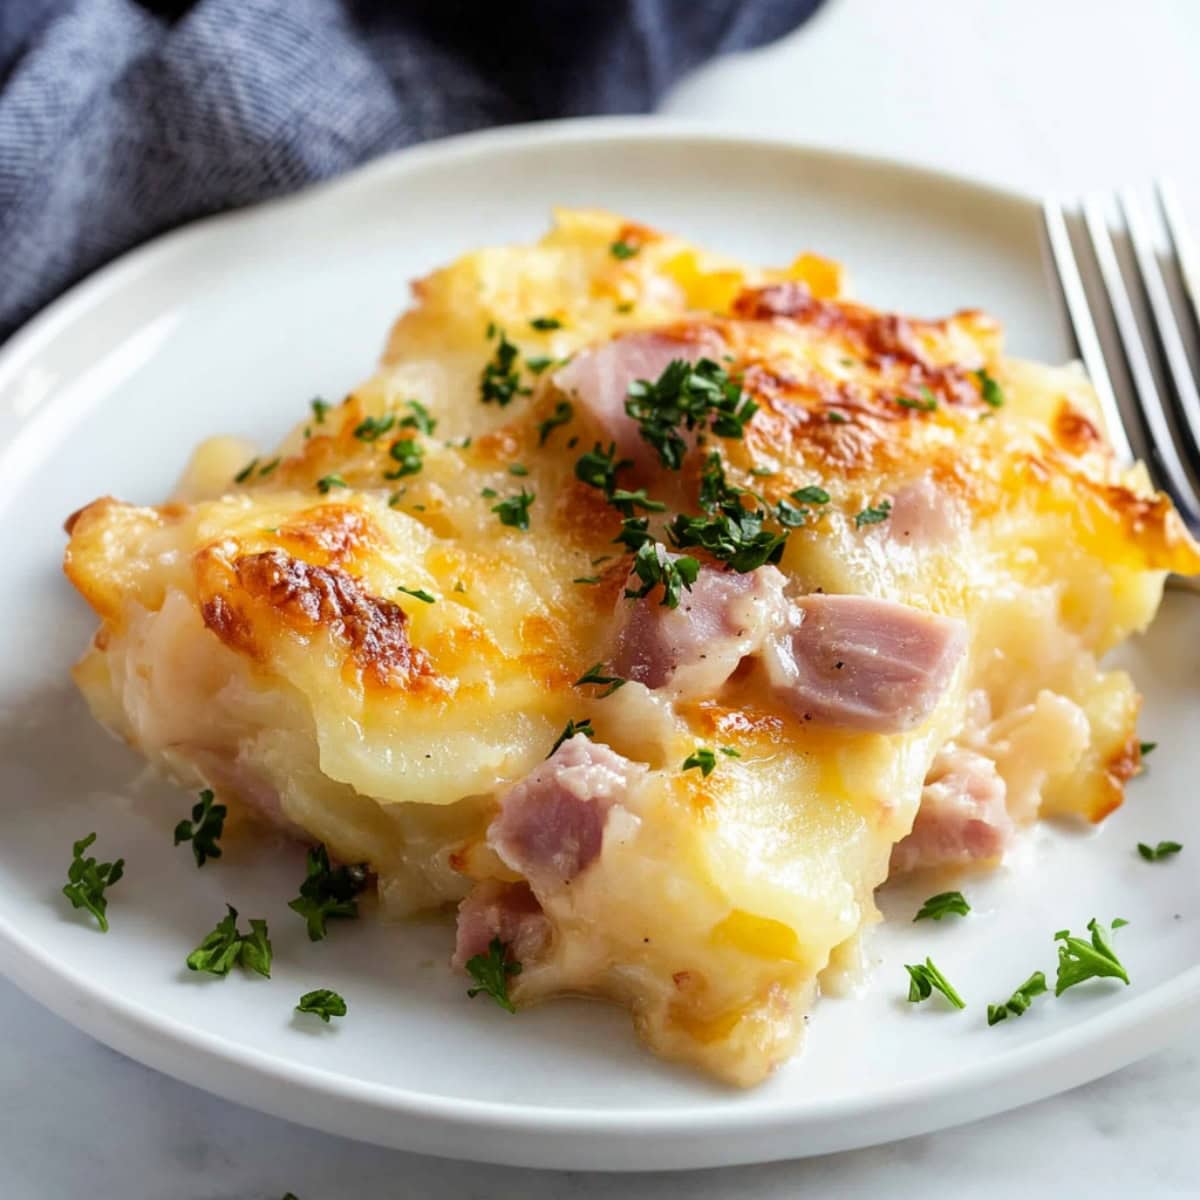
(264, 632)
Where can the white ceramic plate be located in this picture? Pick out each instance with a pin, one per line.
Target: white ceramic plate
(227, 326)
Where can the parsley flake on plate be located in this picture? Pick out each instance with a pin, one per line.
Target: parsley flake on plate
(942, 905)
(491, 973)
(925, 979)
(1161, 851)
(622, 249)
(327, 891)
(542, 324)
(514, 511)
(203, 830)
(224, 948)
(1019, 1001)
(324, 1003)
(1079, 961)
(927, 403)
(88, 880)
(246, 471)
(320, 408)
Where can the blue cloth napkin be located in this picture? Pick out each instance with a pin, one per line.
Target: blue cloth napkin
(120, 119)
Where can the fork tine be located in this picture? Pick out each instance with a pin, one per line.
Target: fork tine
(1182, 244)
(1164, 320)
(1084, 328)
(1174, 473)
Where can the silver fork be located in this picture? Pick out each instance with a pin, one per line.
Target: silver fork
(1145, 384)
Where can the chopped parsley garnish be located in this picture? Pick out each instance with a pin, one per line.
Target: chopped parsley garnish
(762, 472)
(730, 752)
(370, 428)
(789, 516)
(627, 502)
(925, 979)
(1079, 961)
(409, 456)
(595, 675)
(545, 323)
(500, 381)
(570, 730)
(88, 880)
(417, 594)
(395, 498)
(927, 403)
(625, 307)
(518, 469)
(563, 412)
(208, 820)
(586, 579)
(320, 408)
(598, 467)
(246, 471)
(989, 389)
(730, 532)
(811, 495)
(515, 510)
(327, 891)
(942, 905)
(701, 757)
(623, 249)
(1162, 850)
(691, 395)
(327, 483)
(635, 533)
(491, 972)
(873, 515)
(652, 565)
(323, 1003)
(1019, 1001)
(535, 364)
(489, 493)
(836, 418)
(419, 419)
(267, 468)
(224, 948)
(1145, 748)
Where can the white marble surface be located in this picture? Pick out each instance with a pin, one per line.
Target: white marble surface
(1045, 94)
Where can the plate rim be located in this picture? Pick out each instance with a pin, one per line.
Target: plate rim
(417, 1120)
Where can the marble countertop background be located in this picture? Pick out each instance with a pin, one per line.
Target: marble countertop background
(1061, 95)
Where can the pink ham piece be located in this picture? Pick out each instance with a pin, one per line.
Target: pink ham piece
(599, 379)
(551, 825)
(693, 649)
(925, 516)
(862, 663)
(507, 911)
(962, 817)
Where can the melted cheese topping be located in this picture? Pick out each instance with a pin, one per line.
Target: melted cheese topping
(254, 636)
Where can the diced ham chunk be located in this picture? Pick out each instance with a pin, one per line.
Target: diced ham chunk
(925, 515)
(508, 911)
(599, 379)
(551, 825)
(693, 649)
(862, 663)
(962, 815)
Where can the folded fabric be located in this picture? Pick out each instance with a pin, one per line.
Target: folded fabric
(119, 119)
